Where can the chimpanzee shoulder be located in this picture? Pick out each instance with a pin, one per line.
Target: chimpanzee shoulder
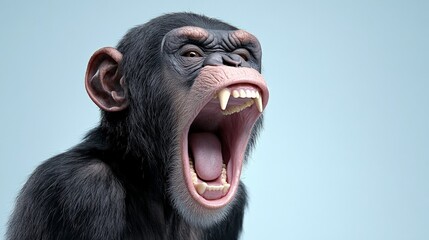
(72, 195)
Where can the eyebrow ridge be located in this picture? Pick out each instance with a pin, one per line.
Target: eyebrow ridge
(192, 33)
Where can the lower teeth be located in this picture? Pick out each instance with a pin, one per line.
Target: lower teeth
(202, 186)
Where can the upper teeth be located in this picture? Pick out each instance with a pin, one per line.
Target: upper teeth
(253, 94)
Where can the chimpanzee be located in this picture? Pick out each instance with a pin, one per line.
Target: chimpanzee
(181, 99)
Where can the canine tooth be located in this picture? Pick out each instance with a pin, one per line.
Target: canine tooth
(258, 101)
(223, 175)
(201, 187)
(223, 96)
(194, 177)
(226, 188)
(193, 173)
(223, 179)
(242, 93)
(235, 94)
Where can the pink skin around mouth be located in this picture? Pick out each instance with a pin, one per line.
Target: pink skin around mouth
(233, 130)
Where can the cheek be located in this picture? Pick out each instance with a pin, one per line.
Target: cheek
(188, 68)
(256, 65)
(181, 75)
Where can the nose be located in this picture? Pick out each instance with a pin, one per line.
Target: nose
(225, 59)
(232, 60)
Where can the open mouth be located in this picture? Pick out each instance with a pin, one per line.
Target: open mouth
(214, 142)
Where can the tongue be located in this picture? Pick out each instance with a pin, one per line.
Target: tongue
(207, 152)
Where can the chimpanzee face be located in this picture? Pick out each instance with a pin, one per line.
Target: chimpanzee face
(219, 96)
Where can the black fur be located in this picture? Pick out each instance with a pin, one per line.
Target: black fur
(113, 184)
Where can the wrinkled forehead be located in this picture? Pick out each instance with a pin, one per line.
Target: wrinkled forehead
(210, 36)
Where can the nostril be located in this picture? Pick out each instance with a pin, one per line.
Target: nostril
(218, 59)
(230, 61)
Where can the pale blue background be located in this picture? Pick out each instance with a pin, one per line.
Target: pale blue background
(345, 151)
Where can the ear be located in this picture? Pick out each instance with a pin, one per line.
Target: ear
(104, 82)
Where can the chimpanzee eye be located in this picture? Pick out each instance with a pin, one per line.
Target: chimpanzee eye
(192, 54)
(243, 53)
(191, 51)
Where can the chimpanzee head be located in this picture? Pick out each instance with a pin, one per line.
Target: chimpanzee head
(183, 95)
